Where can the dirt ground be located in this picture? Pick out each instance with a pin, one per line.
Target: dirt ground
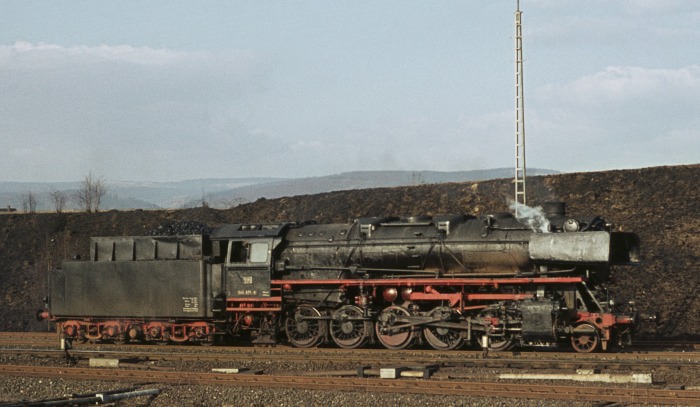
(660, 204)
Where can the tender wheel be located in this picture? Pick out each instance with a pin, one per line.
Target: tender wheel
(81, 336)
(399, 338)
(348, 327)
(302, 332)
(153, 333)
(70, 330)
(442, 338)
(211, 340)
(120, 339)
(134, 334)
(92, 334)
(585, 338)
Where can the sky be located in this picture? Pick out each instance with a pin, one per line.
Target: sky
(174, 90)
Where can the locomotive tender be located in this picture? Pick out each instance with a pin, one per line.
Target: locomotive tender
(442, 281)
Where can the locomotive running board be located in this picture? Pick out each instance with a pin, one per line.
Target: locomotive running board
(433, 281)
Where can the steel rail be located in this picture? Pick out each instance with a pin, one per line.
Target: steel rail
(459, 388)
(388, 358)
(689, 356)
(654, 360)
(18, 338)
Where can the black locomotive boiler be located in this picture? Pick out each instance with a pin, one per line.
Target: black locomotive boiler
(443, 281)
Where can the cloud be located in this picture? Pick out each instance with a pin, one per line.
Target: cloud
(624, 83)
(660, 7)
(628, 115)
(25, 55)
(631, 6)
(650, 26)
(117, 109)
(140, 113)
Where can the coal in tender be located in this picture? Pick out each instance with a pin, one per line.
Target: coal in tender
(180, 228)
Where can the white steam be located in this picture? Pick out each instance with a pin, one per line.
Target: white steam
(534, 217)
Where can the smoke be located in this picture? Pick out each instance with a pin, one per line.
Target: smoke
(533, 217)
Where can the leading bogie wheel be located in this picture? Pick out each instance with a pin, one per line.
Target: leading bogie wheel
(585, 338)
(498, 336)
(497, 343)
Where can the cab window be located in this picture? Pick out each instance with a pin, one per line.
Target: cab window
(258, 252)
(244, 252)
(238, 252)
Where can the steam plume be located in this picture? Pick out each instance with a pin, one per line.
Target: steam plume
(533, 217)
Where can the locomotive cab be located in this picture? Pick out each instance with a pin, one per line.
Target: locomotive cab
(252, 303)
(248, 261)
(248, 267)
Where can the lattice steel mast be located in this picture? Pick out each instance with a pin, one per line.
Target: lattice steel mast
(520, 173)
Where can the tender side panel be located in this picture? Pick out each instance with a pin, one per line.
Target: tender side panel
(148, 289)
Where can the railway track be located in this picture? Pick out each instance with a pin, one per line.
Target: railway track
(51, 338)
(45, 345)
(535, 362)
(461, 388)
(460, 372)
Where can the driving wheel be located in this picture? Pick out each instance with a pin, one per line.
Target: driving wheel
(305, 329)
(349, 327)
(442, 338)
(392, 328)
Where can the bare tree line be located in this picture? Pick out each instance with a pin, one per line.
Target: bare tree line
(59, 200)
(90, 194)
(29, 202)
(88, 197)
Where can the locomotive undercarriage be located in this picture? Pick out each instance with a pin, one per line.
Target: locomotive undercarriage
(495, 314)
(122, 331)
(549, 314)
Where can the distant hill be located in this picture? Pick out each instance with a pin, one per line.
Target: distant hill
(359, 180)
(125, 194)
(228, 192)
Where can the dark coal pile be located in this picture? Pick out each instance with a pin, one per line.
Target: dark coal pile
(180, 228)
(660, 204)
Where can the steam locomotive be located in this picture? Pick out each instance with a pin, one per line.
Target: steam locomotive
(442, 281)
